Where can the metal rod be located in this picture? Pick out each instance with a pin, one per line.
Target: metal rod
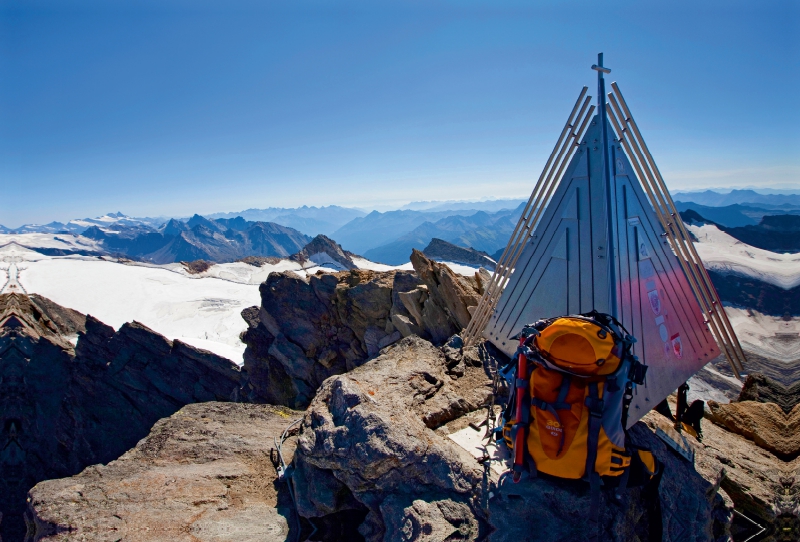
(532, 220)
(502, 265)
(541, 194)
(645, 175)
(514, 239)
(682, 228)
(705, 305)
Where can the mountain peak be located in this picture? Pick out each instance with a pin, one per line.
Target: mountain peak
(325, 251)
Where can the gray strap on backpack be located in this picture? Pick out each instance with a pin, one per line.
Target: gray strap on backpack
(595, 406)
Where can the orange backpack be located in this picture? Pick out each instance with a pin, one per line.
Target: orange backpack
(572, 386)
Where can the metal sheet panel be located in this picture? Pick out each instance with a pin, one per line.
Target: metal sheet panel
(657, 304)
(559, 269)
(565, 268)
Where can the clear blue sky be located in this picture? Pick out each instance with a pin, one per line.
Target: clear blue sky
(171, 108)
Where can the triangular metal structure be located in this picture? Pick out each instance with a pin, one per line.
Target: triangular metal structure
(601, 232)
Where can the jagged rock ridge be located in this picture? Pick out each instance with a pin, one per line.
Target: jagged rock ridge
(66, 407)
(308, 330)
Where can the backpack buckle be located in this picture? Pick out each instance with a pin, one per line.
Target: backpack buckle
(637, 372)
(595, 406)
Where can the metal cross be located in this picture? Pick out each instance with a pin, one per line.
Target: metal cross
(599, 66)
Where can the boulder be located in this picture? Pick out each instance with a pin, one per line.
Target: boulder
(378, 437)
(203, 474)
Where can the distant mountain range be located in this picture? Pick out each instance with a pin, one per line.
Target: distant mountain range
(490, 206)
(309, 220)
(386, 237)
(78, 226)
(741, 197)
(220, 240)
(481, 231)
(377, 229)
(734, 216)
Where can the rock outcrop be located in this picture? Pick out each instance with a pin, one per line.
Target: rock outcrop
(758, 387)
(441, 250)
(203, 474)
(374, 440)
(761, 486)
(752, 451)
(63, 407)
(326, 252)
(307, 330)
(763, 423)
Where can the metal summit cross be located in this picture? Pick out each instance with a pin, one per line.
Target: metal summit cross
(601, 232)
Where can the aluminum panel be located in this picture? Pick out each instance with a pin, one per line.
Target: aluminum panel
(565, 268)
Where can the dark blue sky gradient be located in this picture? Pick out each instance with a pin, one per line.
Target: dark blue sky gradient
(179, 107)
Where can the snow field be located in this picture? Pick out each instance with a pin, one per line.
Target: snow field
(204, 312)
(721, 252)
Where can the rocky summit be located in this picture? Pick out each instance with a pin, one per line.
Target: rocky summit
(388, 448)
(376, 440)
(65, 407)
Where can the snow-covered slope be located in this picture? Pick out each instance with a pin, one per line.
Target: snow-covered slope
(362, 263)
(768, 336)
(65, 242)
(204, 312)
(202, 309)
(108, 222)
(721, 252)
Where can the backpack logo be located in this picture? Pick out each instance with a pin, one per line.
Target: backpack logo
(554, 427)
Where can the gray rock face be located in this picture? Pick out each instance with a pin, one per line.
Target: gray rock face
(64, 408)
(200, 475)
(376, 436)
(308, 330)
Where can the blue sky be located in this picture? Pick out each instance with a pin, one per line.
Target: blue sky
(171, 107)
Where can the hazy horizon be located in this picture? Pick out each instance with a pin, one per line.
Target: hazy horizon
(173, 108)
(382, 207)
